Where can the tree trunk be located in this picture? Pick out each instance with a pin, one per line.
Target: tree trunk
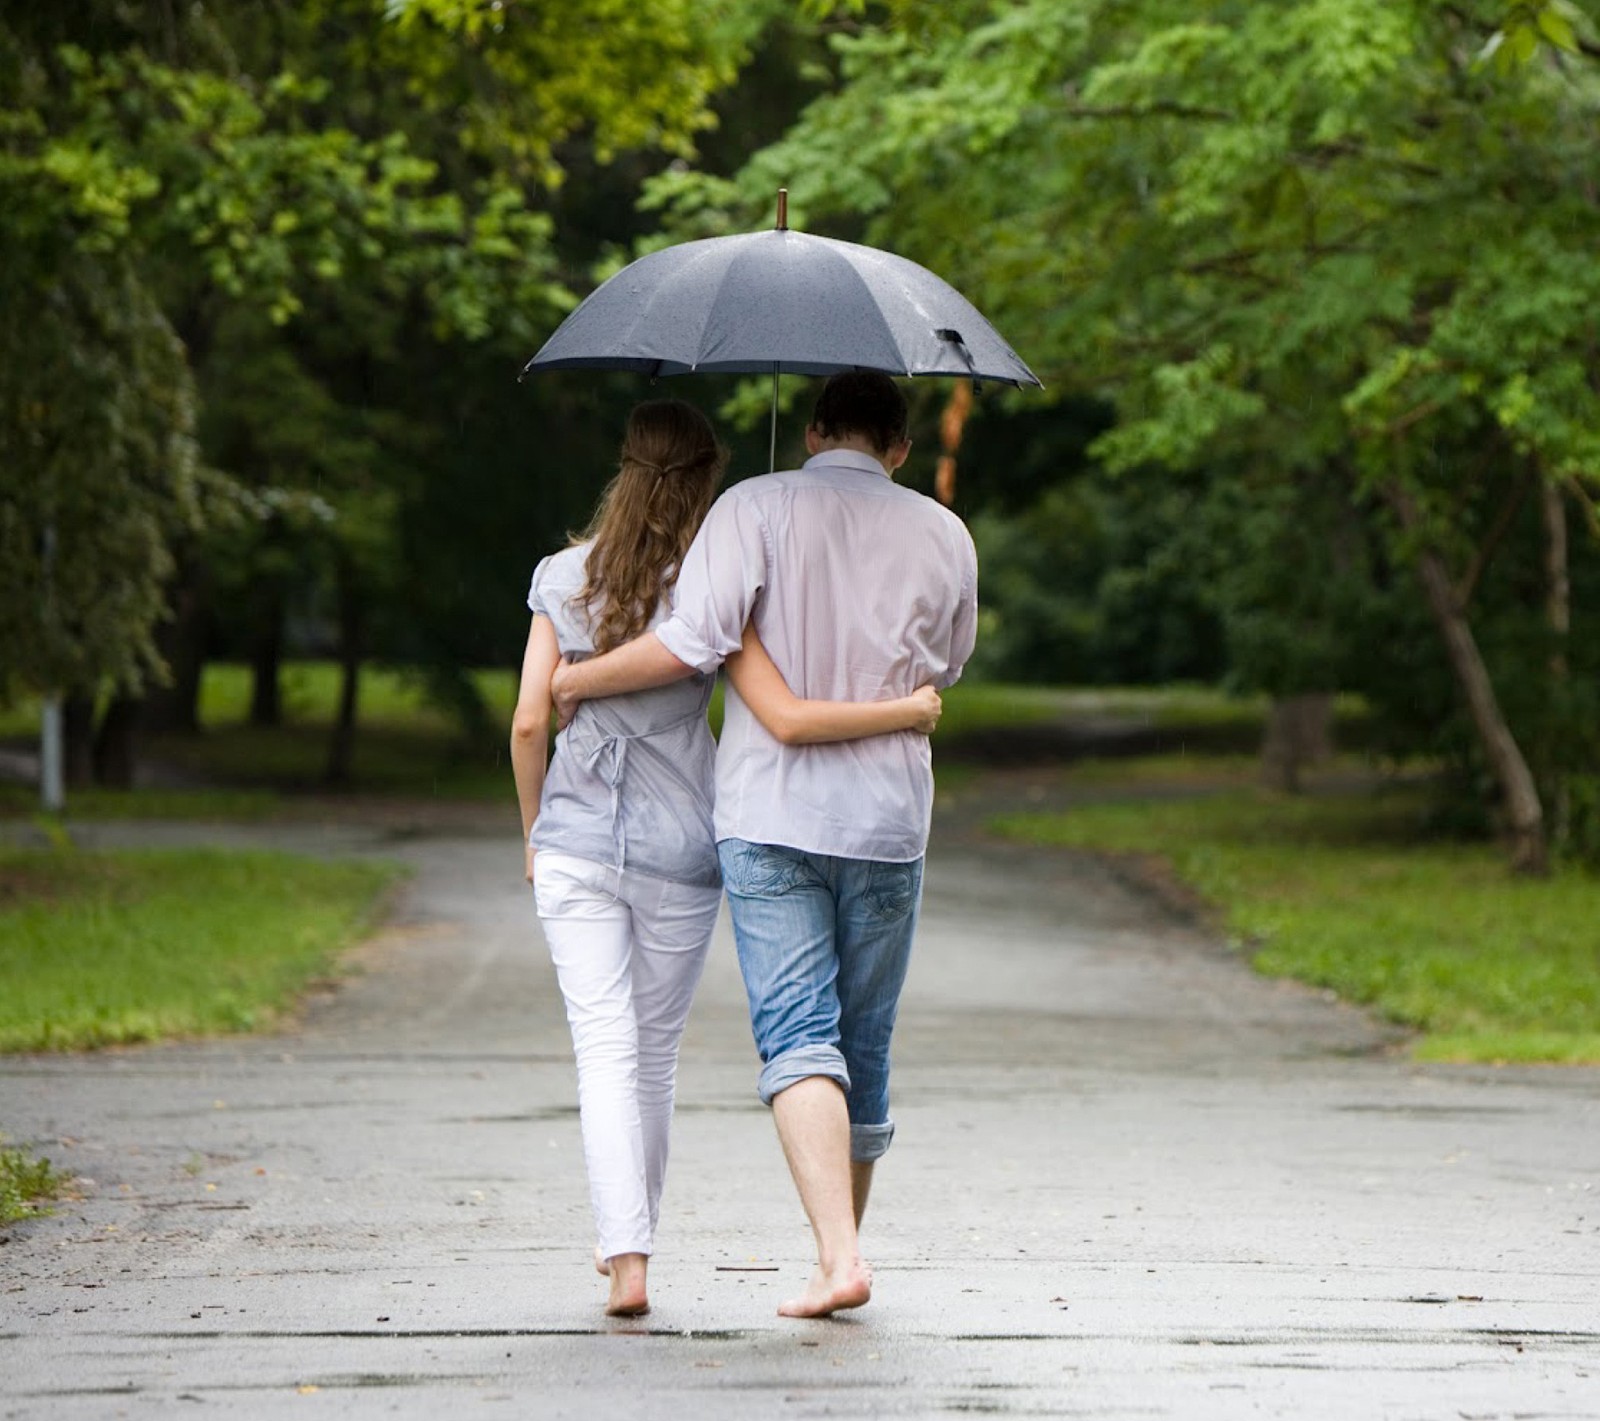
(1558, 581)
(1558, 612)
(175, 708)
(341, 748)
(77, 733)
(1299, 735)
(266, 656)
(1519, 793)
(115, 742)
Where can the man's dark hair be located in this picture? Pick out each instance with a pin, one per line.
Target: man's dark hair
(864, 403)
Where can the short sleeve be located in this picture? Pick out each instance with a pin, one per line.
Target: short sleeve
(723, 573)
(536, 593)
(964, 625)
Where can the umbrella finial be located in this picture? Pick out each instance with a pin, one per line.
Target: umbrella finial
(783, 209)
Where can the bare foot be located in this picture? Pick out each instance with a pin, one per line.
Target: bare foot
(847, 1287)
(602, 1265)
(628, 1296)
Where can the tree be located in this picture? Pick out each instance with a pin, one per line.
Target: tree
(343, 194)
(96, 437)
(1308, 239)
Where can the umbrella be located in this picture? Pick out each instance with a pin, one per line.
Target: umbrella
(780, 301)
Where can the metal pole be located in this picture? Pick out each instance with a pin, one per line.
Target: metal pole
(52, 787)
(772, 445)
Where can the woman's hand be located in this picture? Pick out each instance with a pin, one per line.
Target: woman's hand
(528, 851)
(926, 704)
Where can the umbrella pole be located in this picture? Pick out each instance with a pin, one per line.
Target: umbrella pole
(772, 443)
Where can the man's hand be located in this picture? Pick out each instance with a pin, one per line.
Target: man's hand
(561, 693)
(929, 708)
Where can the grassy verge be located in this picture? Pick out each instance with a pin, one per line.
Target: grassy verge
(1345, 892)
(310, 691)
(27, 1185)
(20, 801)
(405, 745)
(427, 761)
(104, 948)
(408, 746)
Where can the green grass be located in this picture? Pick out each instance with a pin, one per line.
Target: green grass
(408, 746)
(105, 948)
(310, 691)
(288, 759)
(27, 1185)
(405, 744)
(971, 706)
(19, 801)
(1346, 892)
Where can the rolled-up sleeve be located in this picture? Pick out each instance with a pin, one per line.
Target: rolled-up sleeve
(723, 574)
(964, 627)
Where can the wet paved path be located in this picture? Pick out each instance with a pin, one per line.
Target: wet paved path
(1131, 1180)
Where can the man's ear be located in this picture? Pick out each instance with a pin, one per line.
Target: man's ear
(813, 440)
(897, 455)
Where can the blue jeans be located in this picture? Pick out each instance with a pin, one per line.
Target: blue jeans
(823, 945)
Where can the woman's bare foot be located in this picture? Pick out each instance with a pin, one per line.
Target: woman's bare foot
(628, 1296)
(846, 1287)
(602, 1265)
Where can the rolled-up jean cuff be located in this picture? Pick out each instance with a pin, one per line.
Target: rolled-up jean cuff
(800, 1063)
(869, 1142)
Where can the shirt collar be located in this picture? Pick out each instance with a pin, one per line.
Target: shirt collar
(848, 459)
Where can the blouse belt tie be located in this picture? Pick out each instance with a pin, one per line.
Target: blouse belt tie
(609, 760)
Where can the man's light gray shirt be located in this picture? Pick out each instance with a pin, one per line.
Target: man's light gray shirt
(860, 590)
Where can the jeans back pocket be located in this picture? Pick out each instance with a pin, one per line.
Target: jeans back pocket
(891, 890)
(760, 870)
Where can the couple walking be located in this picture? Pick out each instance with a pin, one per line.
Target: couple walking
(839, 604)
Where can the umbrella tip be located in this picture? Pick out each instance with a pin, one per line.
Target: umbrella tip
(783, 209)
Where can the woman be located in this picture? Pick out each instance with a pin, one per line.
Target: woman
(620, 846)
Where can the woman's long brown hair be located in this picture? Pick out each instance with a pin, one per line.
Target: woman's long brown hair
(670, 467)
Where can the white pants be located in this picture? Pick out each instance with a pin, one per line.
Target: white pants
(628, 951)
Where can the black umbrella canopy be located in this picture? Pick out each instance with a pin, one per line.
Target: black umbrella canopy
(783, 302)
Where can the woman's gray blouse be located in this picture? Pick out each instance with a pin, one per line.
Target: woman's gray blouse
(630, 783)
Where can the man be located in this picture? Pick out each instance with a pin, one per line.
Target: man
(860, 590)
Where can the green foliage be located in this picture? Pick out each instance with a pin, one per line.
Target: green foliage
(1101, 582)
(637, 76)
(1349, 893)
(167, 943)
(26, 1184)
(347, 217)
(96, 437)
(1332, 255)
(1229, 218)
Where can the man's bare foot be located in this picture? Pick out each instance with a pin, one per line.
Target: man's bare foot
(628, 1296)
(846, 1287)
